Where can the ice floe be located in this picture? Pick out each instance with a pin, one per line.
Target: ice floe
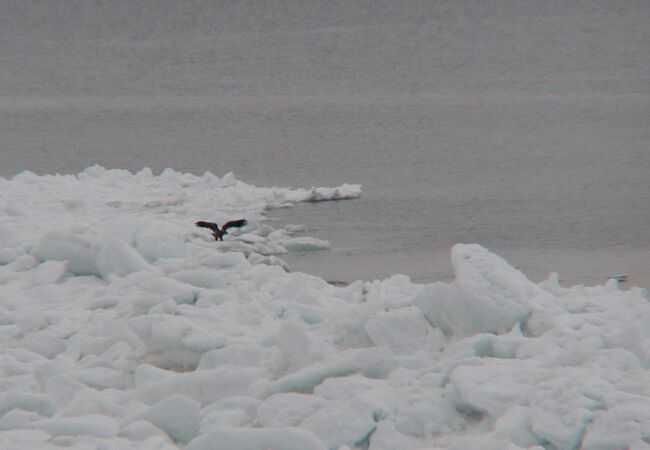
(125, 327)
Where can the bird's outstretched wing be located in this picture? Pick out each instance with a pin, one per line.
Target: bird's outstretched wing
(234, 224)
(210, 225)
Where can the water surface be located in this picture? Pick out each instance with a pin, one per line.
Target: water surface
(522, 126)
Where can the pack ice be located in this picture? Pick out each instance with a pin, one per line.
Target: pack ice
(123, 326)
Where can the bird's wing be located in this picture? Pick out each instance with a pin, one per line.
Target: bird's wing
(210, 225)
(234, 223)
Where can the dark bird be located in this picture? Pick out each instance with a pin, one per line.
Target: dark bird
(219, 232)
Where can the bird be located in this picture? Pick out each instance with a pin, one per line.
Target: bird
(217, 232)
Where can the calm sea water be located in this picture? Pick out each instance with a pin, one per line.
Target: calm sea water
(522, 126)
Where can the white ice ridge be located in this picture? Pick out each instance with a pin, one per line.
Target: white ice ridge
(86, 218)
(124, 327)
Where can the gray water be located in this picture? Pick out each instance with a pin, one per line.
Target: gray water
(520, 125)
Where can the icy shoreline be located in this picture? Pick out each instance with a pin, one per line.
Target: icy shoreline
(125, 327)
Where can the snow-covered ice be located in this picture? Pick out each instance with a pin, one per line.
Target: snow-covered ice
(123, 326)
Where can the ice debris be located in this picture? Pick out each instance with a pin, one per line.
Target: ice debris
(121, 326)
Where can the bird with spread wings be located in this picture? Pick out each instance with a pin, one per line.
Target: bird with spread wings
(217, 232)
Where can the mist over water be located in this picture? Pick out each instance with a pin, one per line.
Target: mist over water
(522, 126)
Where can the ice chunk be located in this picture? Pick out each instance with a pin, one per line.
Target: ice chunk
(426, 413)
(346, 191)
(44, 343)
(295, 347)
(236, 411)
(304, 244)
(94, 171)
(49, 272)
(154, 246)
(146, 374)
(32, 321)
(288, 409)
(177, 415)
(18, 419)
(404, 331)
(348, 386)
(371, 360)
(202, 341)
(562, 408)
(103, 378)
(205, 386)
(89, 401)
(90, 425)
(288, 438)
(27, 401)
(218, 260)
(341, 424)
(24, 263)
(140, 430)
(493, 388)
(173, 342)
(494, 294)
(348, 326)
(116, 257)
(488, 295)
(179, 292)
(60, 246)
(202, 278)
(387, 437)
(251, 238)
(514, 426)
(228, 180)
(9, 255)
(619, 427)
(234, 355)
